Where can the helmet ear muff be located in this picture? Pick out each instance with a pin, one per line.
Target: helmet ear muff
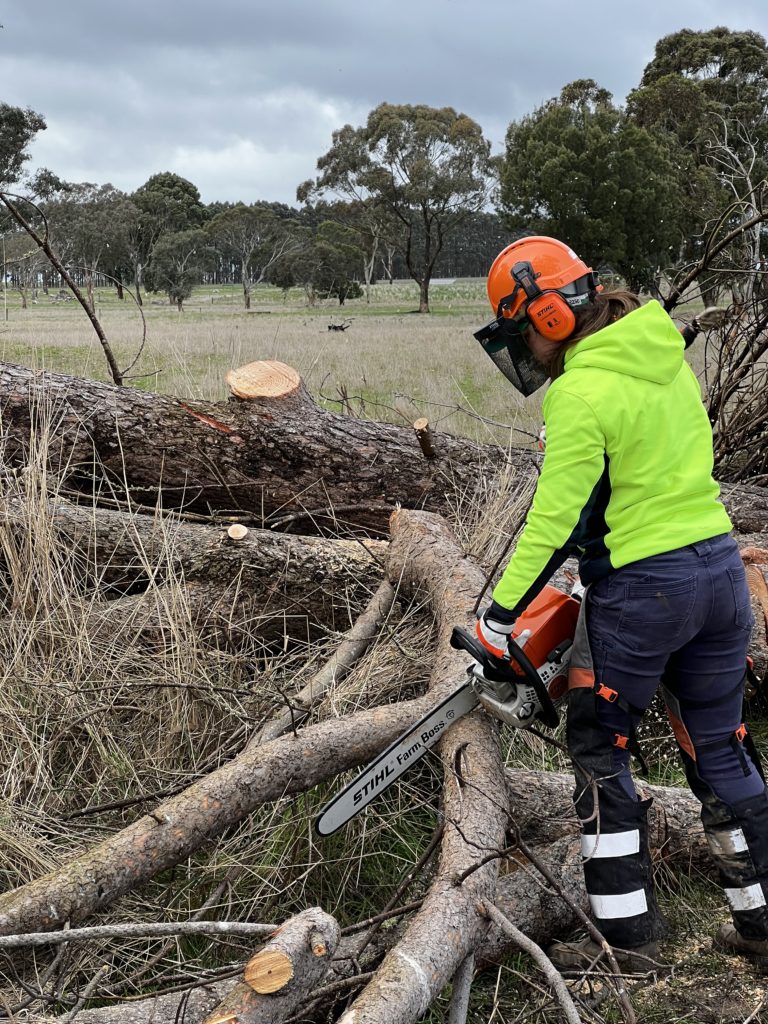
(547, 311)
(551, 316)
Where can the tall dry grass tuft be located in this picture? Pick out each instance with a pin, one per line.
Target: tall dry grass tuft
(98, 724)
(89, 714)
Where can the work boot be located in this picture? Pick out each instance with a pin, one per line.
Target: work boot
(575, 956)
(728, 940)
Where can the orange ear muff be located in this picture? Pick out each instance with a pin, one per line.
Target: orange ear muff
(551, 316)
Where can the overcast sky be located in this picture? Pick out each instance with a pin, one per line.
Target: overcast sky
(241, 96)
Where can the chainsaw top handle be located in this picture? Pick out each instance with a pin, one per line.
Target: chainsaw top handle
(496, 669)
(502, 670)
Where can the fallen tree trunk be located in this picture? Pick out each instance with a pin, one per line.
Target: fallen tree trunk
(449, 926)
(543, 810)
(537, 911)
(125, 549)
(424, 555)
(274, 456)
(263, 583)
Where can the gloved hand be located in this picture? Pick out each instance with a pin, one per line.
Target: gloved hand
(494, 628)
(710, 318)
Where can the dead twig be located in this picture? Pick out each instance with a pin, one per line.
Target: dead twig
(540, 958)
(134, 931)
(85, 995)
(44, 244)
(462, 986)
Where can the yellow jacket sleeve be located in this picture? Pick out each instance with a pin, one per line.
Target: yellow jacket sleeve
(574, 463)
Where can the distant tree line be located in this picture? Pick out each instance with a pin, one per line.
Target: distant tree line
(415, 192)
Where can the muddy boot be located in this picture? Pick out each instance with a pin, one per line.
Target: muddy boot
(728, 940)
(577, 956)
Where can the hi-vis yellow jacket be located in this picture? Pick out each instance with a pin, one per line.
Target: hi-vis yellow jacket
(628, 466)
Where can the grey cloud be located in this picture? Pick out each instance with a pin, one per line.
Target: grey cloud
(245, 95)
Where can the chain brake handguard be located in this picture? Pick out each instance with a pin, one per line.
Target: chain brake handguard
(504, 680)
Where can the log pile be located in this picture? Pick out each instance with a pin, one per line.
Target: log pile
(255, 530)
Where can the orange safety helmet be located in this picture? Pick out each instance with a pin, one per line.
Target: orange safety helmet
(548, 281)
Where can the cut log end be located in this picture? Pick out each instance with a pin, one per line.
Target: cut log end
(237, 531)
(268, 971)
(754, 556)
(266, 378)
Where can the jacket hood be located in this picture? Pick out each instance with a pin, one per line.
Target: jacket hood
(645, 343)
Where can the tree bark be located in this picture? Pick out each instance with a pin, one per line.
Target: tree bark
(268, 583)
(747, 506)
(281, 976)
(426, 557)
(279, 460)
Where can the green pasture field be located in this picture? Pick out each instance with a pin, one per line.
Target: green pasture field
(392, 363)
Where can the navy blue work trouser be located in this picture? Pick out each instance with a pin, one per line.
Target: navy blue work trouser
(681, 619)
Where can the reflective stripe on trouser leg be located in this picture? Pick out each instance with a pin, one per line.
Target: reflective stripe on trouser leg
(737, 836)
(610, 844)
(612, 908)
(736, 833)
(617, 864)
(617, 868)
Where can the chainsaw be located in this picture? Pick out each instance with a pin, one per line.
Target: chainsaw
(519, 691)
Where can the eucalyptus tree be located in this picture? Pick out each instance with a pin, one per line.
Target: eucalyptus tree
(709, 91)
(167, 203)
(254, 237)
(179, 260)
(697, 78)
(427, 167)
(579, 169)
(18, 128)
(90, 227)
(24, 265)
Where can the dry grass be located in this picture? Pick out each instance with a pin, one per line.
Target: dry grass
(90, 716)
(392, 364)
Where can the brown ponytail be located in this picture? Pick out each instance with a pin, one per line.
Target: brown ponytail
(606, 308)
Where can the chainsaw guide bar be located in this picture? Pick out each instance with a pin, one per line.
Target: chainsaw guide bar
(514, 689)
(395, 760)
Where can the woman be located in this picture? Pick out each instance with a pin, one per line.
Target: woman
(627, 485)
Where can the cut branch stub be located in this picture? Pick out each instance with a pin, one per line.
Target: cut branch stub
(237, 531)
(284, 973)
(269, 971)
(424, 437)
(266, 378)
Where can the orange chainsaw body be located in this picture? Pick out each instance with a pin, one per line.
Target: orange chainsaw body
(549, 619)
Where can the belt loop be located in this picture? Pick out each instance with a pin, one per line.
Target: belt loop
(702, 547)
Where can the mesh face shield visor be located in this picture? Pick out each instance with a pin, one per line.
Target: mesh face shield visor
(503, 340)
